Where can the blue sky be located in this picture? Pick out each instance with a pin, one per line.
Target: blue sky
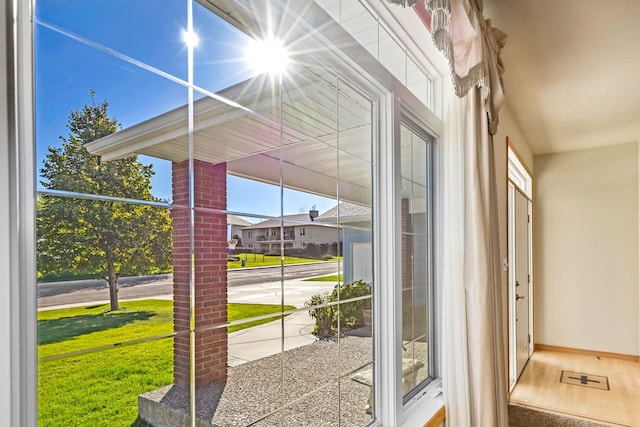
(149, 31)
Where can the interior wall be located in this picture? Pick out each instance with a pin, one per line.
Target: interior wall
(586, 249)
(509, 128)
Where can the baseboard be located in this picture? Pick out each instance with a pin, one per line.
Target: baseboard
(629, 357)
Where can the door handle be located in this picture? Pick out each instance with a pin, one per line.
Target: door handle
(518, 297)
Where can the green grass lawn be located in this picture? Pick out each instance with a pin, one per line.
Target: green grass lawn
(330, 278)
(260, 260)
(101, 388)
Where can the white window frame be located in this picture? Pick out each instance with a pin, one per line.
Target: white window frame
(388, 320)
(18, 359)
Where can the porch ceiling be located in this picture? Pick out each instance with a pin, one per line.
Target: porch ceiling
(246, 134)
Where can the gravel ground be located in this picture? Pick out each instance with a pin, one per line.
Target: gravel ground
(317, 391)
(254, 394)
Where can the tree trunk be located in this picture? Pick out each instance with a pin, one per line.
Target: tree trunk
(112, 280)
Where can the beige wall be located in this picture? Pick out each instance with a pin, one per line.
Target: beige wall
(586, 249)
(586, 245)
(509, 128)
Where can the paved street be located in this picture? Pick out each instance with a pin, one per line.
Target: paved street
(255, 285)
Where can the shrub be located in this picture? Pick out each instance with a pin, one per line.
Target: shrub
(323, 316)
(349, 315)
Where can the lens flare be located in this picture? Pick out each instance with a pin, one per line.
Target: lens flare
(267, 56)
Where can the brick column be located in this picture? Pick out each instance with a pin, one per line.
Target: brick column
(407, 268)
(210, 247)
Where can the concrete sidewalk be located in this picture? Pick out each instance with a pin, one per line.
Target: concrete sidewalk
(265, 340)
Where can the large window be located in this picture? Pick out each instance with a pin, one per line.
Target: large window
(175, 160)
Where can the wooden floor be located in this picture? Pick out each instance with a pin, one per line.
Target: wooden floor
(540, 387)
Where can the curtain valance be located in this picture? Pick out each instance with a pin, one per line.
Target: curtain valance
(472, 46)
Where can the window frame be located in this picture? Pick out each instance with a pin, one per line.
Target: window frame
(413, 124)
(420, 405)
(20, 329)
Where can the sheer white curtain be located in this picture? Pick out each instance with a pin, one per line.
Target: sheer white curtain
(454, 354)
(473, 361)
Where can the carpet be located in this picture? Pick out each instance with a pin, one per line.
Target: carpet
(524, 416)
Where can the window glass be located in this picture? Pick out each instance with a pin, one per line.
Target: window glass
(199, 208)
(392, 55)
(370, 30)
(220, 56)
(177, 222)
(518, 174)
(415, 208)
(420, 83)
(104, 225)
(120, 28)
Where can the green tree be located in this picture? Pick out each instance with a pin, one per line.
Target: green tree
(93, 237)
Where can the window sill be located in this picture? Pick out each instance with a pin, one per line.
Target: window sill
(426, 409)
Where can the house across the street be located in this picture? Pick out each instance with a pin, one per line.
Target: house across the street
(297, 231)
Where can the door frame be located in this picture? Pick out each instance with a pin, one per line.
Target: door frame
(528, 193)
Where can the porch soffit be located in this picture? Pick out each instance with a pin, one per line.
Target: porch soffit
(245, 133)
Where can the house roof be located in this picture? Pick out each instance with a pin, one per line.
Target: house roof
(346, 212)
(236, 220)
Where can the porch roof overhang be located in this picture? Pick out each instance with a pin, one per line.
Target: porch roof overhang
(244, 127)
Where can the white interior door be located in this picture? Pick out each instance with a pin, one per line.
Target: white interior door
(522, 277)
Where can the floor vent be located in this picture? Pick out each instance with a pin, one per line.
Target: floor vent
(585, 380)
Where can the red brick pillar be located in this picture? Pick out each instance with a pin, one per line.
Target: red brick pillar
(407, 270)
(210, 250)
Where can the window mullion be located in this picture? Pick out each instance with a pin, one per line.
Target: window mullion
(388, 390)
